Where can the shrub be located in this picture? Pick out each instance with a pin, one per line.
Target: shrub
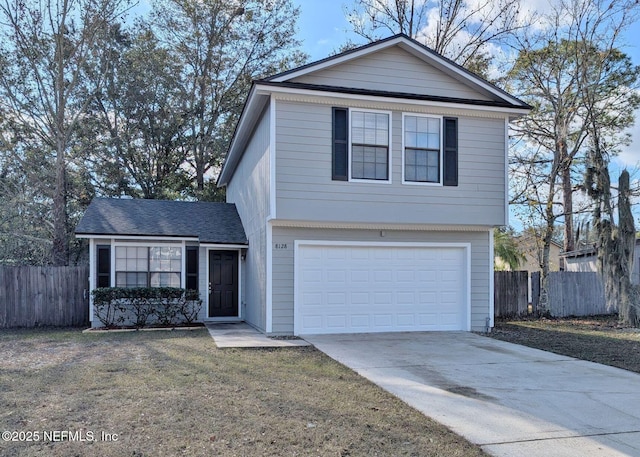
(115, 306)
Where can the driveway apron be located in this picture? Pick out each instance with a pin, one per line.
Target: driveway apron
(509, 399)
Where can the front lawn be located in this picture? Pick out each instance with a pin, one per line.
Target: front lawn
(597, 339)
(174, 393)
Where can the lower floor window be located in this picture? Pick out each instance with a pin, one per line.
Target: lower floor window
(153, 266)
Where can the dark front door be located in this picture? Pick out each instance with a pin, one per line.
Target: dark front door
(223, 283)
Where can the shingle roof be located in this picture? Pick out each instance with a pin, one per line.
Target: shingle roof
(209, 222)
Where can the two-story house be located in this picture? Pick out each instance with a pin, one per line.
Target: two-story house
(362, 192)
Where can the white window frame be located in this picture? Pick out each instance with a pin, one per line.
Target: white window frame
(390, 149)
(149, 244)
(440, 154)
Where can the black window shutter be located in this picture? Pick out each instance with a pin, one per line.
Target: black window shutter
(450, 165)
(192, 268)
(103, 270)
(339, 165)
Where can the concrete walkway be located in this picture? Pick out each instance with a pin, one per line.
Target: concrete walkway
(509, 399)
(241, 335)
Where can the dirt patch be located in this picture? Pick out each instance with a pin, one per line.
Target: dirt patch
(175, 393)
(597, 339)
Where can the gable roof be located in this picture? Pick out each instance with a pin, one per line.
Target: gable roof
(261, 90)
(210, 222)
(418, 50)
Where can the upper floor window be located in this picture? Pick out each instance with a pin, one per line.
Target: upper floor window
(422, 149)
(361, 145)
(369, 145)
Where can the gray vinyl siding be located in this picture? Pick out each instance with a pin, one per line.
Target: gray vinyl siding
(283, 265)
(305, 191)
(392, 70)
(249, 190)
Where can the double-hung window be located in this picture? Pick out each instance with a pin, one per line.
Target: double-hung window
(148, 266)
(422, 139)
(361, 145)
(430, 150)
(369, 145)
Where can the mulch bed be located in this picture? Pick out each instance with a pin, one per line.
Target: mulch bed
(598, 339)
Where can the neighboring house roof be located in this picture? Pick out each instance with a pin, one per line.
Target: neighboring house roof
(490, 97)
(210, 222)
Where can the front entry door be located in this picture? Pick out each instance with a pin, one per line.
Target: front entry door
(223, 283)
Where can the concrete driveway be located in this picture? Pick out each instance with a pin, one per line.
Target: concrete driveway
(509, 399)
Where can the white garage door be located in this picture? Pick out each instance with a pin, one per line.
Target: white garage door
(356, 289)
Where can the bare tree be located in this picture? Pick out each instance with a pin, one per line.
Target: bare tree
(607, 113)
(458, 29)
(554, 68)
(44, 49)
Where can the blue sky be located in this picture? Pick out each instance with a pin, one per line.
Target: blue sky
(323, 28)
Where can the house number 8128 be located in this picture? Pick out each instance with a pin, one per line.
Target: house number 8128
(281, 246)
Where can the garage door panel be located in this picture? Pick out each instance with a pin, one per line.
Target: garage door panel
(406, 320)
(405, 276)
(337, 298)
(313, 299)
(312, 322)
(382, 298)
(360, 321)
(406, 298)
(383, 320)
(313, 276)
(336, 322)
(359, 254)
(336, 276)
(344, 289)
(383, 275)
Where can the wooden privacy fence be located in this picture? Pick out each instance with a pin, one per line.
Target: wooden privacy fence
(35, 296)
(571, 294)
(511, 293)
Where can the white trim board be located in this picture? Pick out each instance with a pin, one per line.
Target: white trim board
(269, 89)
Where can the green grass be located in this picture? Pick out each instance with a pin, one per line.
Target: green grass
(175, 393)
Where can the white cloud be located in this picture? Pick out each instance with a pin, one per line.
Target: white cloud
(630, 155)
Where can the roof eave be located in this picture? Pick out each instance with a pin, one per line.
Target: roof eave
(256, 101)
(290, 87)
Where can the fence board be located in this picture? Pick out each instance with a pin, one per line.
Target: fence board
(33, 296)
(576, 294)
(571, 293)
(511, 297)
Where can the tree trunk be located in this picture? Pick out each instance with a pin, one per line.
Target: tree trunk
(543, 306)
(60, 250)
(567, 201)
(621, 258)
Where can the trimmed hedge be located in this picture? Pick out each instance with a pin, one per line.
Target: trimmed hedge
(116, 306)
